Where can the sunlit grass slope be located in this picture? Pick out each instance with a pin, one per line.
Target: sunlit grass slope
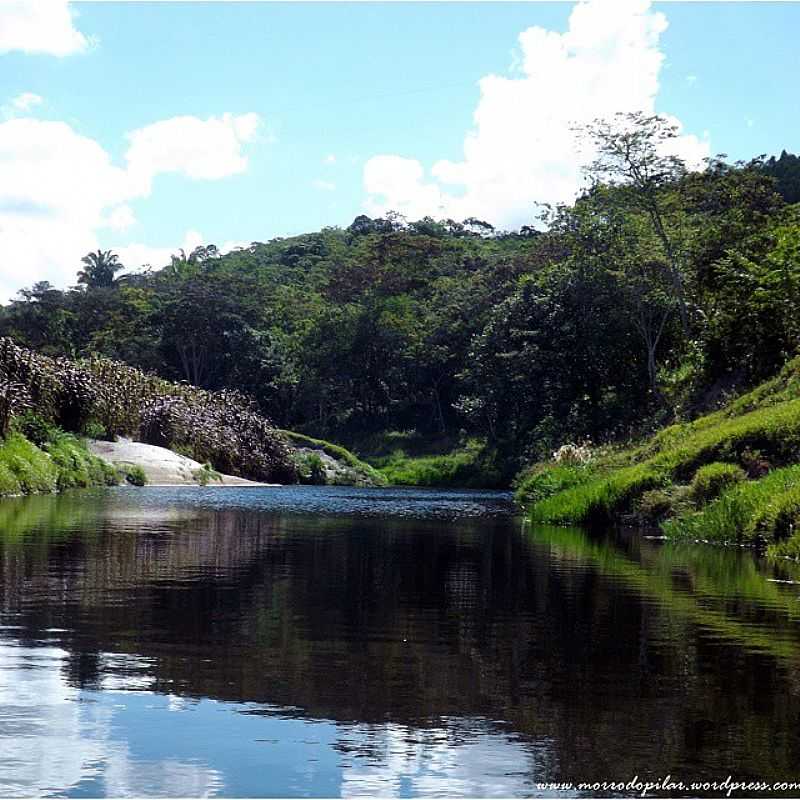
(730, 476)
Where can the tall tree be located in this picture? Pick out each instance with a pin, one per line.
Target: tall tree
(99, 269)
(633, 150)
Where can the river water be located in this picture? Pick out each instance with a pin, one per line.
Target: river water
(332, 641)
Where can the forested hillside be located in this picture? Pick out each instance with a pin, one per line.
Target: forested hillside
(658, 293)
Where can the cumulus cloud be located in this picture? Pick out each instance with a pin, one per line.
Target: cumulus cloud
(39, 26)
(202, 149)
(137, 255)
(59, 189)
(523, 148)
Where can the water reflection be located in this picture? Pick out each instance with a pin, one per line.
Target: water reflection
(191, 642)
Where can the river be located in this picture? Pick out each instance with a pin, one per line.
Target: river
(330, 642)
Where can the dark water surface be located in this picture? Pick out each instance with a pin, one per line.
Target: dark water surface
(326, 642)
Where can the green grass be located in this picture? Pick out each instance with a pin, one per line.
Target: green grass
(712, 479)
(545, 480)
(763, 425)
(24, 468)
(77, 467)
(763, 511)
(62, 463)
(600, 499)
(363, 471)
(468, 467)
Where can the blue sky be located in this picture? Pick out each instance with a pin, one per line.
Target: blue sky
(389, 91)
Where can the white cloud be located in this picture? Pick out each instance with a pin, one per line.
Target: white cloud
(137, 255)
(120, 218)
(39, 26)
(26, 101)
(59, 189)
(324, 186)
(201, 149)
(523, 149)
(398, 184)
(329, 159)
(20, 105)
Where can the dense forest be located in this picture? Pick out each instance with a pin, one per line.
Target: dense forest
(658, 294)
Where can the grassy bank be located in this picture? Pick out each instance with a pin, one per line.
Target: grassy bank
(406, 459)
(62, 462)
(312, 469)
(732, 476)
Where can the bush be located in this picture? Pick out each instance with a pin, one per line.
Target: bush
(223, 428)
(134, 475)
(77, 467)
(35, 428)
(206, 474)
(105, 398)
(24, 468)
(710, 481)
(655, 504)
(363, 472)
(575, 455)
(310, 469)
(95, 430)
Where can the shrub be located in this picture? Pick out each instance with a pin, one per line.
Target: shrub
(655, 504)
(206, 474)
(223, 428)
(310, 469)
(24, 468)
(710, 481)
(134, 474)
(95, 430)
(35, 428)
(98, 395)
(76, 466)
(363, 472)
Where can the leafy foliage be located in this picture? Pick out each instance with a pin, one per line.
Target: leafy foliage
(657, 295)
(311, 470)
(223, 427)
(134, 475)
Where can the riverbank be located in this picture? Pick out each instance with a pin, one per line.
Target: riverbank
(163, 467)
(408, 458)
(61, 462)
(729, 477)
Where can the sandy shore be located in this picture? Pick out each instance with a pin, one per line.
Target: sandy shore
(161, 466)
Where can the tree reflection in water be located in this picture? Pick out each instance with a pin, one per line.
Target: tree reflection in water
(436, 651)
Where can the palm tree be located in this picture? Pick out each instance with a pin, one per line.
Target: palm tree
(99, 269)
